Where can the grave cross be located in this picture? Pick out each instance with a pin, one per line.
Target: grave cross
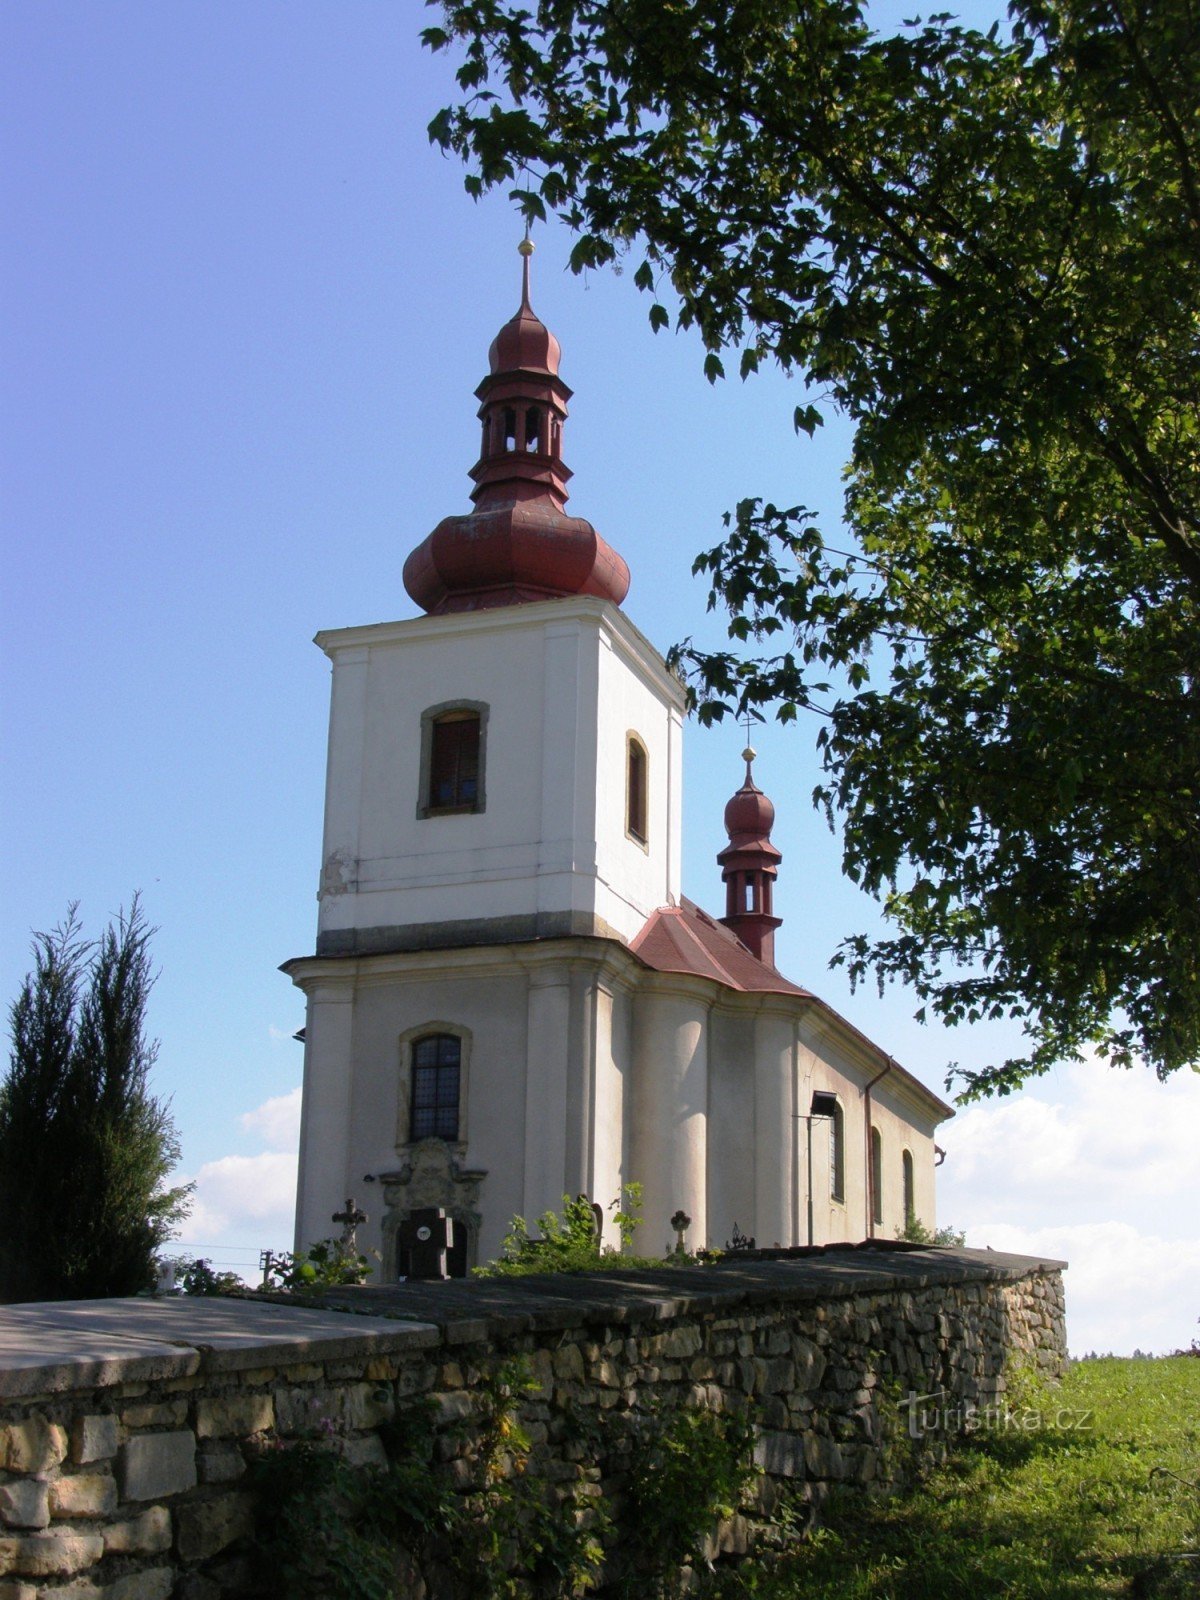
(350, 1219)
(681, 1222)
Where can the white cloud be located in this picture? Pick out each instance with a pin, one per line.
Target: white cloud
(276, 1121)
(1096, 1134)
(245, 1201)
(1125, 1290)
(1098, 1167)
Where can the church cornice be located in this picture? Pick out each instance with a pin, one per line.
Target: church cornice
(613, 624)
(868, 1058)
(604, 957)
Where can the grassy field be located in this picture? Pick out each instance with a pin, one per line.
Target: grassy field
(1100, 1496)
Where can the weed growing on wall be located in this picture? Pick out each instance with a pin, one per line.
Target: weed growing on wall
(328, 1264)
(570, 1241)
(517, 1538)
(915, 1231)
(334, 1531)
(690, 1469)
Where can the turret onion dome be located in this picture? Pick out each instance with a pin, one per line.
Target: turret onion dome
(525, 342)
(518, 543)
(749, 815)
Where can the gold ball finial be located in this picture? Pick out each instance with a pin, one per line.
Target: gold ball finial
(525, 248)
(748, 754)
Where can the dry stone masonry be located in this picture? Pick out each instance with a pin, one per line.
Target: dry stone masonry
(127, 1427)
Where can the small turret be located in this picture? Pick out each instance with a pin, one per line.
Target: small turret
(749, 864)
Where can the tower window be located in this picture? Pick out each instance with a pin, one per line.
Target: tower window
(452, 758)
(533, 428)
(435, 1087)
(636, 790)
(510, 430)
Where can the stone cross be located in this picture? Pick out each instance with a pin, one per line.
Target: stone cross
(349, 1219)
(681, 1222)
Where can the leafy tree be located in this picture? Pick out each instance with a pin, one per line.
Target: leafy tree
(985, 250)
(84, 1147)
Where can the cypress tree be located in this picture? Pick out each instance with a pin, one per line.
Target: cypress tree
(85, 1149)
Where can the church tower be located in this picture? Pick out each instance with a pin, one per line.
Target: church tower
(502, 811)
(510, 999)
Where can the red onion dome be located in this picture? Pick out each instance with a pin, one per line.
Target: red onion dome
(525, 344)
(507, 554)
(749, 814)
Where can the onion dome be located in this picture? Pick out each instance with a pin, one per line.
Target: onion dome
(525, 342)
(749, 815)
(749, 864)
(518, 543)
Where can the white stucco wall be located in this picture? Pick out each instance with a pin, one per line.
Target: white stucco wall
(584, 1072)
(565, 682)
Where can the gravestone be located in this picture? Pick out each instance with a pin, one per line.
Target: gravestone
(426, 1236)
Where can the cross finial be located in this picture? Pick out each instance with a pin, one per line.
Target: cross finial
(749, 753)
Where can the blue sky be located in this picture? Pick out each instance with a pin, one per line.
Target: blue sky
(244, 308)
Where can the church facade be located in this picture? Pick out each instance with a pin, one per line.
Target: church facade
(511, 1000)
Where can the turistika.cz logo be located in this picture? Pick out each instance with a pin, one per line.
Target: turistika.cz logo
(931, 1413)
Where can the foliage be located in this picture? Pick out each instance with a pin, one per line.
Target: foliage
(690, 1469)
(85, 1149)
(1100, 1498)
(198, 1278)
(333, 1531)
(324, 1265)
(915, 1232)
(983, 250)
(314, 1536)
(570, 1243)
(517, 1539)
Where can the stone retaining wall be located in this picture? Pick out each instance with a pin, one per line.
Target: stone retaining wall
(126, 1427)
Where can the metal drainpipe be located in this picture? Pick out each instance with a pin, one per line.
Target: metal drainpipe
(867, 1137)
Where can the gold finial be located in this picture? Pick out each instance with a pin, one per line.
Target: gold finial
(749, 753)
(525, 250)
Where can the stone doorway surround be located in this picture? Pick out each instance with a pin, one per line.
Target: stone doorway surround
(431, 1176)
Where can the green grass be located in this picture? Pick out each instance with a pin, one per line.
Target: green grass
(1101, 1510)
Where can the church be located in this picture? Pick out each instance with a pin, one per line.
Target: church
(511, 999)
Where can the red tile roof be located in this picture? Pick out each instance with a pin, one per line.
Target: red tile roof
(683, 938)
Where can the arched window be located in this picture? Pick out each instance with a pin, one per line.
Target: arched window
(436, 1063)
(910, 1194)
(837, 1155)
(510, 430)
(636, 790)
(876, 1176)
(533, 428)
(452, 758)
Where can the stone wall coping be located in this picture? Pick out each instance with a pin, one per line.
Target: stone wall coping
(55, 1346)
(545, 1302)
(64, 1345)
